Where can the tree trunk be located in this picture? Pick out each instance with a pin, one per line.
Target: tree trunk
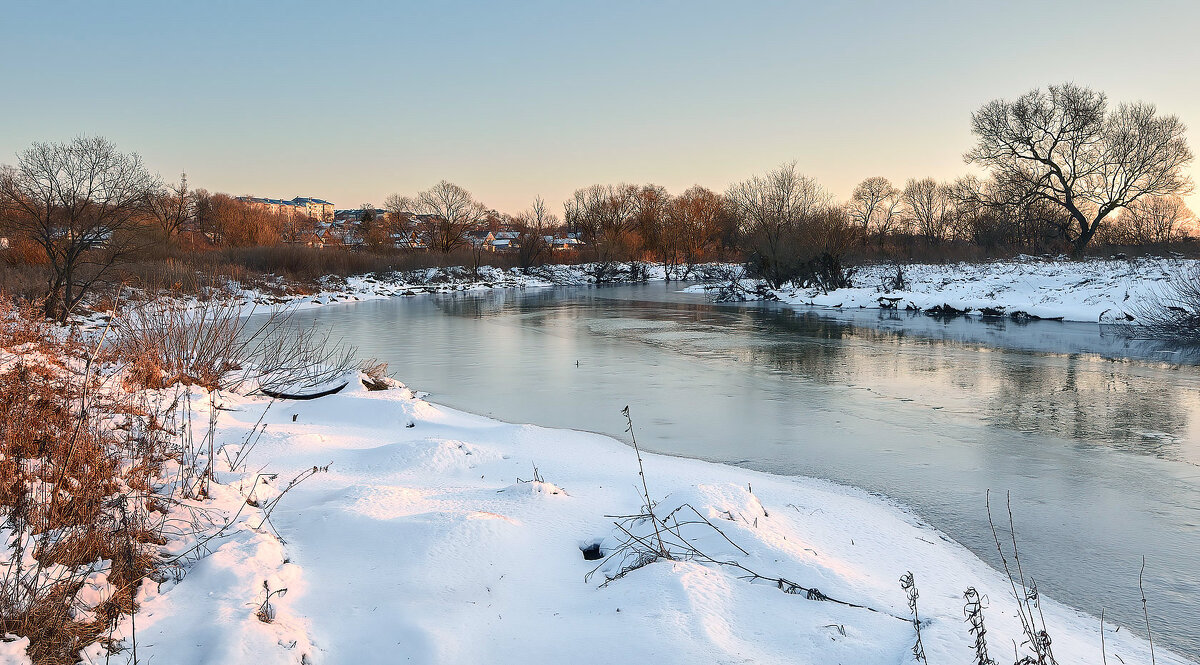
(1082, 241)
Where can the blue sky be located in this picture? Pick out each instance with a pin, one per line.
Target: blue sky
(352, 101)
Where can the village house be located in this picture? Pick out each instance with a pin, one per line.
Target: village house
(408, 239)
(569, 242)
(494, 241)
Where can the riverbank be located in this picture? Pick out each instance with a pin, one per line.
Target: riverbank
(1025, 287)
(1021, 288)
(376, 286)
(273, 292)
(432, 535)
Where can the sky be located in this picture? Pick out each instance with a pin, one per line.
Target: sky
(353, 101)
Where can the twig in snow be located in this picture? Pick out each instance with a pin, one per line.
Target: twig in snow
(973, 610)
(270, 505)
(1145, 611)
(265, 612)
(909, 584)
(649, 507)
(1037, 637)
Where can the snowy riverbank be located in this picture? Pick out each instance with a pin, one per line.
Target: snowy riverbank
(1025, 287)
(447, 280)
(1056, 288)
(419, 544)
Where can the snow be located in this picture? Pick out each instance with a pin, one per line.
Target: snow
(279, 294)
(1072, 290)
(439, 280)
(1040, 288)
(12, 650)
(430, 538)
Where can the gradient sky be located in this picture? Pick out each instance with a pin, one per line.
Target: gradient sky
(352, 101)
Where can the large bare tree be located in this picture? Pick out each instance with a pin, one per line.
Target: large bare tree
(444, 214)
(83, 203)
(1065, 146)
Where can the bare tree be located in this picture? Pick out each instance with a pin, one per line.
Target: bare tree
(874, 206)
(204, 215)
(584, 212)
(692, 231)
(604, 216)
(925, 207)
(1154, 219)
(296, 226)
(374, 229)
(1066, 147)
(778, 214)
(444, 213)
(81, 202)
(171, 208)
(650, 208)
(224, 220)
(534, 224)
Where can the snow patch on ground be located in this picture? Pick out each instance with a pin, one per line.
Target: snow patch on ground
(430, 544)
(1071, 290)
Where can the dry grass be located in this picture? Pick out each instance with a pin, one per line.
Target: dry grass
(74, 490)
(1171, 315)
(217, 344)
(376, 374)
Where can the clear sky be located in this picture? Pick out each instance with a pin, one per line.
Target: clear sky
(352, 101)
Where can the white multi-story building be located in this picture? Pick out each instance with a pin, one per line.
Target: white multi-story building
(315, 208)
(301, 205)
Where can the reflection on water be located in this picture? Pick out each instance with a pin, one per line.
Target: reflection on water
(1081, 396)
(1095, 436)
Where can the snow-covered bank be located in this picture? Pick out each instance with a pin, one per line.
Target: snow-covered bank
(420, 544)
(447, 280)
(274, 292)
(1071, 290)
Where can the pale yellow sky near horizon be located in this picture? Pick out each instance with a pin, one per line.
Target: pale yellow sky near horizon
(515, 100)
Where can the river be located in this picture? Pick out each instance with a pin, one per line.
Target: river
(1097, 439)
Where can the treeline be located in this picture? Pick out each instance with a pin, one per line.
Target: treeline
(1064, 172)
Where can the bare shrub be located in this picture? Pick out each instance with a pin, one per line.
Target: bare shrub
(24, 281)
(217, 344)
(1171, 315)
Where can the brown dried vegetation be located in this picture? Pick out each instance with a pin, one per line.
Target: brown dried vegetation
(77, 466)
